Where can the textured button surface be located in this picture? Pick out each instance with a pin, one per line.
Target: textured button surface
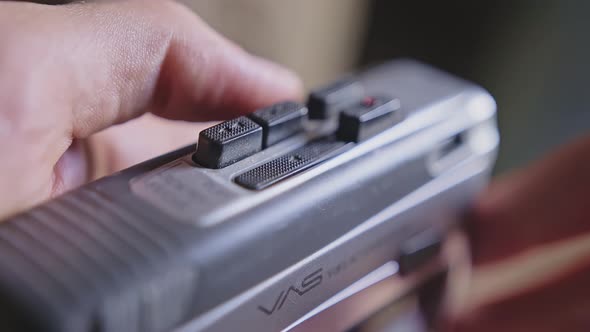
(228, 142)
(280, 121)
(368, 118)
(328, 101)
(289, 164)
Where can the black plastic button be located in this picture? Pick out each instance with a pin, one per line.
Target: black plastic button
(290, 164)
(328, 101)
(228, 142)
(368, 118)
(418, 251)
(280, 121)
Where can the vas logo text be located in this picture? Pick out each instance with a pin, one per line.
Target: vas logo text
(308, 283)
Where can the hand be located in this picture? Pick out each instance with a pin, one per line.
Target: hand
(531, 249)
(68, 72)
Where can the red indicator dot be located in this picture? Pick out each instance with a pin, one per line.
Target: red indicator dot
(368, 102)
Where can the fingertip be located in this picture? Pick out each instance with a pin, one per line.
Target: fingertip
(283, 82)
(219, 81)
(247, 82)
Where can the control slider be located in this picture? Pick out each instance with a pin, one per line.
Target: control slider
(290, 164)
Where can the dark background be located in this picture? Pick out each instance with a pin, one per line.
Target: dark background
(531, 55)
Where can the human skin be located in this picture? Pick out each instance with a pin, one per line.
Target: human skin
(67, 73)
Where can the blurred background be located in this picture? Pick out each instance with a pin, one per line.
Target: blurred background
(531, 55)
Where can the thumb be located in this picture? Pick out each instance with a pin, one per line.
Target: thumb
(542, 204)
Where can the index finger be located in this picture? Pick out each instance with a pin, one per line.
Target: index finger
(103, 63)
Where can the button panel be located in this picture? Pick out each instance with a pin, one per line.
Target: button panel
(280, 121)
(368, 118)
(326, 102)
(231, 141)
(228, 142)
(289, 164)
